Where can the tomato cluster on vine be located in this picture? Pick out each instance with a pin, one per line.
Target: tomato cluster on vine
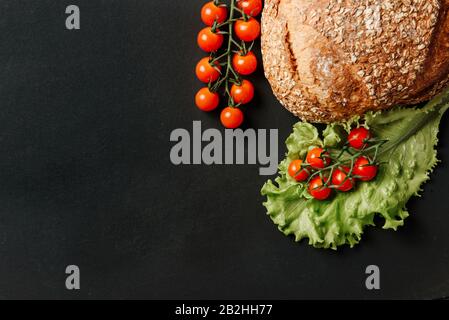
(325, 173)
(229, 58)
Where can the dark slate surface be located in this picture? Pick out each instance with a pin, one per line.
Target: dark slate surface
(85, 175)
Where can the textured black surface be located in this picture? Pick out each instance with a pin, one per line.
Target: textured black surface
(85, 175)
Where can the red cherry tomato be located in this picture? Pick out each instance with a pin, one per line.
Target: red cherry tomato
(318, 190)
(247, 30)
(206, 100)
(211, 13)
(364, 169)
(250, 7)
(206, 72)
(243, 93)
(341, 180)
(231, 117)
(318, 158)
(245, 64)
(296, 171)
(210, 41)
(359, 137)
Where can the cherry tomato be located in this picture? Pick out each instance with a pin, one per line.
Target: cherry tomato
(206, 72)
(296, 171)
(247, 30)
(206, 100)
(250, 7)
(318, 158)
(210, 41)
(341, 180)
(231, 117)
(318, 190)
(245, 64)
(243, 93)
(211, 13)
(364, 169)
(359, 137)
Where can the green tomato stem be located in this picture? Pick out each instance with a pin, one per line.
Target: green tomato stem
(230, 76)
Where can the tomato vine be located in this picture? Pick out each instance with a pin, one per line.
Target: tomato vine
(326, 169)
(234, 31)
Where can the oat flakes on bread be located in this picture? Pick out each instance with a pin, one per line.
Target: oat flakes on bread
(328, 60)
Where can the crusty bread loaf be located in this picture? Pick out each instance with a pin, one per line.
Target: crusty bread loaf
(328, 60)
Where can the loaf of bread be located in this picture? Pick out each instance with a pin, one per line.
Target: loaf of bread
(328, 60)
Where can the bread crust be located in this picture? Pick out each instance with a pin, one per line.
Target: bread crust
(328, 60)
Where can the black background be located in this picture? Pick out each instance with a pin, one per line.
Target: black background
(86, 179)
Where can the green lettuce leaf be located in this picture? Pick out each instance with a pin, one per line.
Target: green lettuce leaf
(409, 157)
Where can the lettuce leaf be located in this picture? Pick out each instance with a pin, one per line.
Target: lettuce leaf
(409, 157)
